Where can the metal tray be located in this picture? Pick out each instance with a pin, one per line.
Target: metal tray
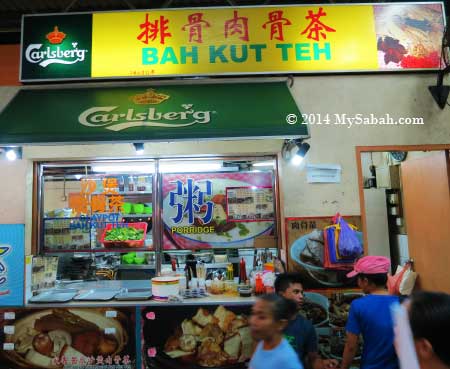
(57, 295)
(134, 294)
(100, 294)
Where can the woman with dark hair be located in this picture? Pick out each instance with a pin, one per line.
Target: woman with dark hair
(429, 315)
(370, 317)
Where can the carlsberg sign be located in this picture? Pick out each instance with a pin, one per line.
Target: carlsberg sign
(114, 119)
(50, 55)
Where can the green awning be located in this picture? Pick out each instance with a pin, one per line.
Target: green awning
(151, 113)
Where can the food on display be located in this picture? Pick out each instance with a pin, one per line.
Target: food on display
(41, 339)
(340, 308)
(211, 340)
(124, 234)
(316, 313)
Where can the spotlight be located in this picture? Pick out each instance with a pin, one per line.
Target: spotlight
(295, 151)
(139, 147)
(13, 153)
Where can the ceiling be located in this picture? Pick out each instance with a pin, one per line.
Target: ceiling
(11, 11)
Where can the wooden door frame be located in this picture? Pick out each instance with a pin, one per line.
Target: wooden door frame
(360, 149)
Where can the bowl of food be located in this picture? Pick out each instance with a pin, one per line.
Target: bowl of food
(307, 253)
(42, 339)
(340, 308)
(315, 308)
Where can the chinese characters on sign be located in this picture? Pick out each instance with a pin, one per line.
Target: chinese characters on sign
(195, 27)
(189, 200)
(276, 22)
(87, 201)
(153, 30)
(316, 28)
(238, 26)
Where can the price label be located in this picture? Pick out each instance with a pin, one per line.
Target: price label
(111, 314)
(110, 330)
(8, 346)
(9, 329)
(9, 315)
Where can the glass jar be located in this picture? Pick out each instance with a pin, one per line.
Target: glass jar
(217, 287)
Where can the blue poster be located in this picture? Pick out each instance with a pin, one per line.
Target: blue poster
(12, 264)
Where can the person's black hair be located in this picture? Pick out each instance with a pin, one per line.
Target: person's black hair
(282, 309)
(379, 279)
(430, 319)
(284, 281)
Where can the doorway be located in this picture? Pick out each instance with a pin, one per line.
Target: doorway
(405, 207)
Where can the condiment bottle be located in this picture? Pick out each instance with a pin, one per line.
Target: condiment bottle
(230, 272)
(130, 184)
(259, 285)
(201, 270)
(242, 271)
(121, 185)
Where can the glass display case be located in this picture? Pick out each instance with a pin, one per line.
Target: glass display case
(136, 216)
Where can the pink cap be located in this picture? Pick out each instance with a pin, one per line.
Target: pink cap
(371, 265)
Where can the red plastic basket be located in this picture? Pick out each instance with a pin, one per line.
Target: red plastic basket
(129, 243)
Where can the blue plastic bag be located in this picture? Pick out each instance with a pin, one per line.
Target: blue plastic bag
(349, 245)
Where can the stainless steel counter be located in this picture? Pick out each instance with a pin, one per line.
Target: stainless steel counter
(138, 284)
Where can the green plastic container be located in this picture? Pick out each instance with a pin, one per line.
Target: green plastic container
(138, 208)
(127, 207)
(148, 209)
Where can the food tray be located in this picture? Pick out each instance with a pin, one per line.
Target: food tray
(129, 243)
(57, 295)
(102, 294)
(134, 294)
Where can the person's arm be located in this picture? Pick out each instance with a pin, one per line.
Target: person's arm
(351, 346)
(316, 362)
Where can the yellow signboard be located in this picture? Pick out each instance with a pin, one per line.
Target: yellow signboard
(229, 41)
(234, 40)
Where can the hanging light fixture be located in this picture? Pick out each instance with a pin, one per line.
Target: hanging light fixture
(12, 153)
(139, 148)
(295, 150)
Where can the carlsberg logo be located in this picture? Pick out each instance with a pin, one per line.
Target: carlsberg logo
(110, 118)
(49, 55)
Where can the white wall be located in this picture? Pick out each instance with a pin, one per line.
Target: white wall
(401, 95)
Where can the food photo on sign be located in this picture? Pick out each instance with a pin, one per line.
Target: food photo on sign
(217, 209)
(193, 337)
(64, 338)
(317, 251)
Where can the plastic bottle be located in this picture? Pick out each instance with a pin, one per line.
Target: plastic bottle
(230, 272)
(242, 271)
(130, 184)
(259, 285)
(121, 185)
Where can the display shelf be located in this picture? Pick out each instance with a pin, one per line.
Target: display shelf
(101, 250)
(136, 215)
(125, 193)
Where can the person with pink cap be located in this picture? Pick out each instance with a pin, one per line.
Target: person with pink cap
(370, 317)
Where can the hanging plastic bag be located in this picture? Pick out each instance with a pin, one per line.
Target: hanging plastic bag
(408, 282)
(349, 245)
(402, 283)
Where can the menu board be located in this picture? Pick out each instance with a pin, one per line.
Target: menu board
(196, 211)
(249, 204)
(304, 239)
(44, 271)
(176, 337)
(62, 338)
